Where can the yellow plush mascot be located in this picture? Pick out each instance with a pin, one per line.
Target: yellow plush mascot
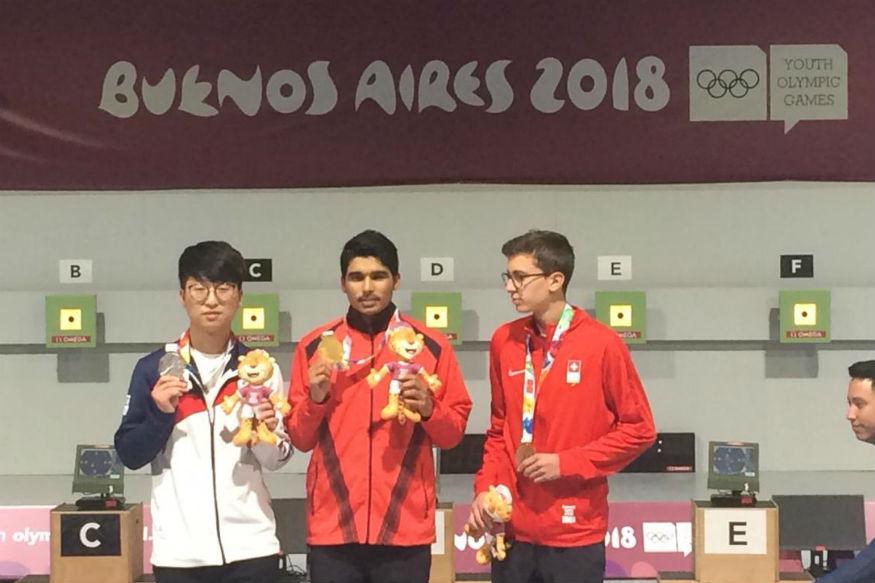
(498, 504)
(254, 370)
(406, 343)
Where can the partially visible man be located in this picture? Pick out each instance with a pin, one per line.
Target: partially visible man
(861, 414)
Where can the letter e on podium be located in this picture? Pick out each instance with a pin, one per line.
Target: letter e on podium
(735, 545)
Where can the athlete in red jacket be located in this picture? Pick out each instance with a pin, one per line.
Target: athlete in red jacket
(370, 482)
(568, 409)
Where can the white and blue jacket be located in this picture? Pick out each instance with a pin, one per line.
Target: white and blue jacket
(210, 505)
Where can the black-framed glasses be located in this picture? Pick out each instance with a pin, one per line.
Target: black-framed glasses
(518, 279)
(224, 292)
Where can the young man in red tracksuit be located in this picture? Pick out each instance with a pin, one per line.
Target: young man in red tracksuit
(370, 482)
(568, 409)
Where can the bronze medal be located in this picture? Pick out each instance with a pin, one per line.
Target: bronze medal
(523, 452)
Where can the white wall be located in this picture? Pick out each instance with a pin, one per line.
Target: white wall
(707, 256)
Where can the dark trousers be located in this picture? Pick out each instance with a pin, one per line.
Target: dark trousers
(528, 563)
(260, 570)
(356, 563)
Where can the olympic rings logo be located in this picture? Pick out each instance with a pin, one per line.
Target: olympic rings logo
(737, 85)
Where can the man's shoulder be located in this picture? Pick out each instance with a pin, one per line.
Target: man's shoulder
(426, 332)
(589, 330)
(150, 361)
(147, 366)
(435, 341)
(514, 329)
(583, 327)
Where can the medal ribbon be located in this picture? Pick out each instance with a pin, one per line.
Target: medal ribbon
(530, 385)
(347, 345)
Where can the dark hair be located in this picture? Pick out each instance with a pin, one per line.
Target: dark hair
(863, 370)
(551, 250)
(214, 261)
(370, 243)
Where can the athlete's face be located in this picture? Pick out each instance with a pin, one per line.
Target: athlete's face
(369, 285)
(529, 287)
(861, 409)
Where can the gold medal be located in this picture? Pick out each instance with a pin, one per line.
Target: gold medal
(330, 349)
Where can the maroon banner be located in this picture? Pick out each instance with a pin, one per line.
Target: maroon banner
(153, 95)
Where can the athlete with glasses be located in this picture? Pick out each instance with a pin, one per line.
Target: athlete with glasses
(568, 410)
(211, 513)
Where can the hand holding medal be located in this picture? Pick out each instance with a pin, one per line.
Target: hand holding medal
(523, 452)
(323, 366)
(539, 467)
(330, 349)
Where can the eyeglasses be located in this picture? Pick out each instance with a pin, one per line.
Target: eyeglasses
(223, 292)
(518, 279)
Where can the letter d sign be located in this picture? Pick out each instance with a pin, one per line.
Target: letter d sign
(436, 269)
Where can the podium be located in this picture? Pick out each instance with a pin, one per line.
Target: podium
(85, 544)
(734, 545)
(442, 553)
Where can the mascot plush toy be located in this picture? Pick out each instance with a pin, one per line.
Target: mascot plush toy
(254, 370)
(499, 506)
(406, 344)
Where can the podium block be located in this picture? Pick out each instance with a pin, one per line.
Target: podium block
(442, 552)
(735, 545)
(88, 544)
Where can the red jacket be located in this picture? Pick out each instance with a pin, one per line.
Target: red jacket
(597, 426)
(372, 481)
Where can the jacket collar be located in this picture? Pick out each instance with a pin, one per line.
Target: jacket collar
(183, 346)
(370, 325)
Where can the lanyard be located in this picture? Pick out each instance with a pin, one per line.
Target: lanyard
(530, 385)
(183, 346)
(347, 345)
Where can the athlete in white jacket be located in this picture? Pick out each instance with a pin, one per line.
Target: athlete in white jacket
(211, 511)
